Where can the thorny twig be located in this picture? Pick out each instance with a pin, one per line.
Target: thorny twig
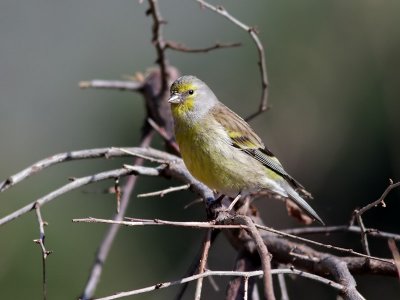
(45, 253)
(357, 214)
(262, 63)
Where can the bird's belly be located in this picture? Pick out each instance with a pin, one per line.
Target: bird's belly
(219, 165)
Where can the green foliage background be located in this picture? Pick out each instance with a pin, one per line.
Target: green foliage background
(334, 123)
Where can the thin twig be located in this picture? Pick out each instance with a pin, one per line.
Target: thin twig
(223, 226)
(334, 285)
(77, 183)
(45, 253)
(203, 262)
(364, 239)
(169, 139)
(283, 287)
(134, 86)
(117, 190)
(357, 214)
(195, 265)
(246, 287)
(159, 43)
(237, 198)
(327, 246)
(182, 48)
(342, 228)
(381, 198)
(262, 63)
(108, 152)
(163, 192)
(149, 158)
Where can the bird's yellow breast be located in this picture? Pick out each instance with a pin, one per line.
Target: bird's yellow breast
(210, 159)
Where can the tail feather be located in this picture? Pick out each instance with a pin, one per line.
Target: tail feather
(303, 204)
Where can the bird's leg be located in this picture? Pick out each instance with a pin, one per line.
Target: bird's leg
(237, 198)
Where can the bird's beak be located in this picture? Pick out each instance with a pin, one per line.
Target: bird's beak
(175, 98)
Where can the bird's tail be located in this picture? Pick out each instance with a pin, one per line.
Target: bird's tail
(293, 195)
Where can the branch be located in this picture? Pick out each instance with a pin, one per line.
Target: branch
(45, 253)
(262, 64)
(262, 251)
(159, 43)
(133, 86)
(163, 192)
(357, 214)
(334, 285)
(342, 228)
(182, 48)
(77, 183)
(203, 262)
(82, 154)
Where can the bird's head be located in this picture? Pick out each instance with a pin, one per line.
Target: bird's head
(190, 97)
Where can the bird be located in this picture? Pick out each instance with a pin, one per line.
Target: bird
(220, 149)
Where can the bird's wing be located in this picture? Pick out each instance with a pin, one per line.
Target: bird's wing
(244, 138)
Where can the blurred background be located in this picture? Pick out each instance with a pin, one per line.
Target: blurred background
(334, 123)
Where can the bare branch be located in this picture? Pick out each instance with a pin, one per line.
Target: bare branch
(82, 154)
(357, 214)
(262, 64)
(159, 43)
(342, 228)
(214, 225)
(203, 262)
(381, 198)
(341, 249)
(165, 191)
(182, 48)
(77, 183)
(45, 253)
(169, 139)
(283, 287)
(263, 252)
(133, 86)
(334, 285)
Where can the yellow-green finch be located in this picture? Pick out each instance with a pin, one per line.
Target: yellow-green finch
(221, 150)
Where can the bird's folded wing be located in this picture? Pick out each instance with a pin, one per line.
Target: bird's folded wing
(244, 138)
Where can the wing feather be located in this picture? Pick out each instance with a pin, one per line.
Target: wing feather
(244, 138)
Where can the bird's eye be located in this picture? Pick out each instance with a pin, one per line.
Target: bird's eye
(191, 92)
